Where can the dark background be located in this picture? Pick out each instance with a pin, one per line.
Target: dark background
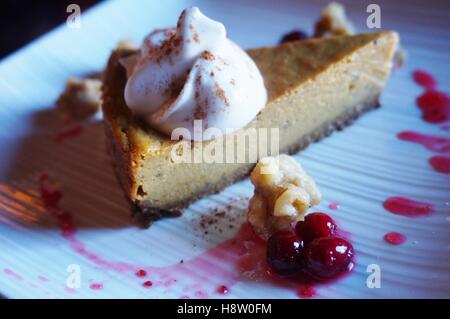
(22, 21)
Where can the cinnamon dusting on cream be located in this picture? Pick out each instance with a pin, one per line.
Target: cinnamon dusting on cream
(185, 74)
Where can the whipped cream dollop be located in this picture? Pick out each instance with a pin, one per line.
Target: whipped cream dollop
(194, 72)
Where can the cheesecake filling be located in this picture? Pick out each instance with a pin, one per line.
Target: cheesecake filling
(283, 193)
(194, 72)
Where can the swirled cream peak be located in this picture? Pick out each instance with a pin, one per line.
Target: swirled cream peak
(194, 72)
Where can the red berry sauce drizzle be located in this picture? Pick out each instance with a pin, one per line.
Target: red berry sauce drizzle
(141, 273)
(434, 104)
(334, 205)
(96, 286)
(435, 107)
(440, 164)
(394, 238)
(407, 207)
(431, 142)
(424, 79)
(223, 290)
(215, 271)
(51, 196)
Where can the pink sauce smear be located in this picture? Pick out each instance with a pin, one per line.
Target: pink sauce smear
(407, 207)
(12, 273)
(440, 164)
(51, 197)
(394, 238)
(242, 258)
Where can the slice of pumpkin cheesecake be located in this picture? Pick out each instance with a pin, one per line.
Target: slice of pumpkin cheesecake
(314, 87)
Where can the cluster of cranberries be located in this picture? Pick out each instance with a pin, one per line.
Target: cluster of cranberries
(313, 249)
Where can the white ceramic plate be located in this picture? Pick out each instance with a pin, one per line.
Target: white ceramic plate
(359, 167)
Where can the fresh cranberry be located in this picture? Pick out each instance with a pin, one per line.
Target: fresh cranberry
(285, 253)
(326, 257)
(294, 35)
(314, 226)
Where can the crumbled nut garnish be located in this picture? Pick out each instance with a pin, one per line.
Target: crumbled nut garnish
(283, 193)
(81, 98)
(333, 21)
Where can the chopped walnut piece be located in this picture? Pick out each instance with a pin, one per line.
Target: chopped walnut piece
(81, 98)
(333, 21)
(283, 193)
